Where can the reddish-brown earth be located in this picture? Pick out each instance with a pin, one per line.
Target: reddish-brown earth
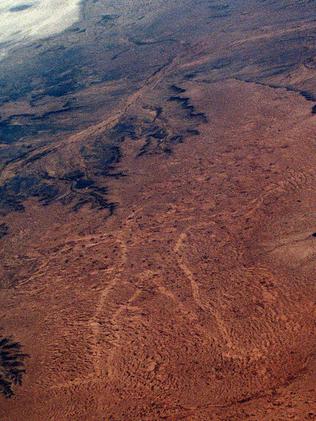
(158, 250)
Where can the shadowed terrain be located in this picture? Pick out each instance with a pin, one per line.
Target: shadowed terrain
(11, 366)
(157, 213)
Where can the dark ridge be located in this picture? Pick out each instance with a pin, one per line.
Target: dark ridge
(248, 399)
(19, 156)
(275, 71)
(159, 41)
(101, 157)
(177, 89)
(314, 235)
(144, 149)
(154, 136)
(119, 54)
(167, 151)
(117, 175)
(22, 115)
(314, 109)
(19, 188)
(96, 201)
(308, 95)
(156, 132)
(4, 230)
(310, 63)
(10, 133)
(73, 175)
(86, 192)
(83, 183)
(158, 112)
(190, 76)
(108, 18)
(12, 367)
(37, 156)
(55, 112)
(14, 129)
(220, 63)
(125, 128)
(185, 104)
(193, 132)
(305, 94)
(102, 203)
(176, 139)
(62, 89)
(77, 30)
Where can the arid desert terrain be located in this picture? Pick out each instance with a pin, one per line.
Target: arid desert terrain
(158, 213)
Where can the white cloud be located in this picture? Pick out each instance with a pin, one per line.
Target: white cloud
(25, 20)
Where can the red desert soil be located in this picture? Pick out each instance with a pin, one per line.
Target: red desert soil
(195, 299)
